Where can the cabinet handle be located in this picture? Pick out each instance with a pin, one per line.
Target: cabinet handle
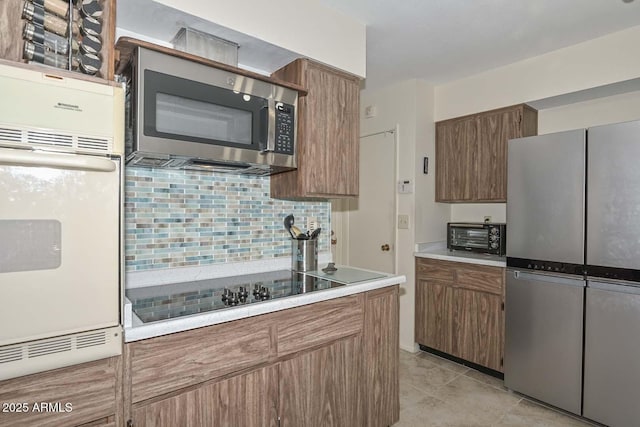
(385, 247)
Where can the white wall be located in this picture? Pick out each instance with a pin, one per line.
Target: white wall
(409, 105)
(605, 60)
(612, 109)
(430, 217)
(475, 212)
(302, 26)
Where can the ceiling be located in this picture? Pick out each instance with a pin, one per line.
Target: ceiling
(445, 40)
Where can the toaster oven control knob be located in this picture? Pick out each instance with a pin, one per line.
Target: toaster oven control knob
(494, 231)
(494, 245)
(493, 238)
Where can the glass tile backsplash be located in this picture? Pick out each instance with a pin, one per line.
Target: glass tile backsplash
(177, 218)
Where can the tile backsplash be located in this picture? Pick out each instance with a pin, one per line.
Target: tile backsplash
(177, 218)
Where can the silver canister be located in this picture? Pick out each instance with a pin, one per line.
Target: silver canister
(304, 255)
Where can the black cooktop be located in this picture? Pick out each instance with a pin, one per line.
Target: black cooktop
(163, 302)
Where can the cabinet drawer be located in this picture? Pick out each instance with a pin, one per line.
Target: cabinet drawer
(438, 270)
(163, 364)
(481, 278)
(313, 325)
(89, 387)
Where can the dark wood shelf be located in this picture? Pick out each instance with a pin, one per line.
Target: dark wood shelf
(126, 45)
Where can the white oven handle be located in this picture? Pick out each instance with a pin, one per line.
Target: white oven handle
(62, 161)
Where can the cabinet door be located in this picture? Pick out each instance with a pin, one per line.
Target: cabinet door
(333, 125)
(322, 388)
(328, 134)
(434, 314)
(495, 129)
(381, 347)
(245, 400)
(456, 162)
(478, 323)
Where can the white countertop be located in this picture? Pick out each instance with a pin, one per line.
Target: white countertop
(439, 250)
(135, 329)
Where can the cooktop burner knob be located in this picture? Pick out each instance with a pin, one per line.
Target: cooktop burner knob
(256, 291)
(225, 295)
(233, 299)
(243, 294)
(264, 294)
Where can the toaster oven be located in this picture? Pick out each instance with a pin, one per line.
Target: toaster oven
(480, 237)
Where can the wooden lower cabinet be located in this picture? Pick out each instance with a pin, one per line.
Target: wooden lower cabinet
(332, 363)
(84, 394)
(381, 343)
(478, 318)
(322, 388)
(244, 400)
(462, 316)
(434, 314)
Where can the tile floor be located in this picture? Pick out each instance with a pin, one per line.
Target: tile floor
(436, 392)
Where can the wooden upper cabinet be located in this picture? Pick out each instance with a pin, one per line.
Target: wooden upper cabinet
(471, 153)
(457, 152)
(328, 134)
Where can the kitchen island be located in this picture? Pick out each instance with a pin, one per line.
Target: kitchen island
(322, 353)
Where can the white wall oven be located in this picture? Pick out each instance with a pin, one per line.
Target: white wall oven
(61, 147)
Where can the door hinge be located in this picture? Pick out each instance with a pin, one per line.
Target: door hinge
(129, 423)
(502, 361)
(502, 304)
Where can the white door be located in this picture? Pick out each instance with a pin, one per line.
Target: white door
(371, 217)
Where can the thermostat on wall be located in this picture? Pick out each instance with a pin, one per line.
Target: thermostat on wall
(405, 186)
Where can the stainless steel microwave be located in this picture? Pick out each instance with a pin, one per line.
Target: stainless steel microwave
(481, 237)
(184, 114)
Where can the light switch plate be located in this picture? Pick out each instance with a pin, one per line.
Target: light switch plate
(403, 221)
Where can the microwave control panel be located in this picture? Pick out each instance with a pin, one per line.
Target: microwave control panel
(285, 128)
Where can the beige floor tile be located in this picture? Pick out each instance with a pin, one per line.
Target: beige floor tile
(487, 379)
(529, 414)
(486, 402)
(444, 363)
(432, 412)
(409, 395)
(424, 375)
(435, 392)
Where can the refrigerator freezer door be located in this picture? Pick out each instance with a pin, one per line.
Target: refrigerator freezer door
(543, 337)
(545, 197)
(613, 228)
(612, 354)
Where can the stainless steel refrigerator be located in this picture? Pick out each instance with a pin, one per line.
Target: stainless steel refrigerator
(573, 278)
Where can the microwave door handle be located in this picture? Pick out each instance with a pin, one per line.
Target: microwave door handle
(61, 161)
(271, 126)
(264, 129)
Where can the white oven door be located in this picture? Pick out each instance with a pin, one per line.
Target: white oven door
(59, 244)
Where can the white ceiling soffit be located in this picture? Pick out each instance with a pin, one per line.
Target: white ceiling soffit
(154, 22)
(445, 40)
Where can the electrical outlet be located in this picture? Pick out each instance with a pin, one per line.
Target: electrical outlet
(487, 218)
(403, 221)
(312, 223)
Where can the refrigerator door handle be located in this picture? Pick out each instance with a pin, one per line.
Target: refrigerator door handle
(559, 280)
(615, 287)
